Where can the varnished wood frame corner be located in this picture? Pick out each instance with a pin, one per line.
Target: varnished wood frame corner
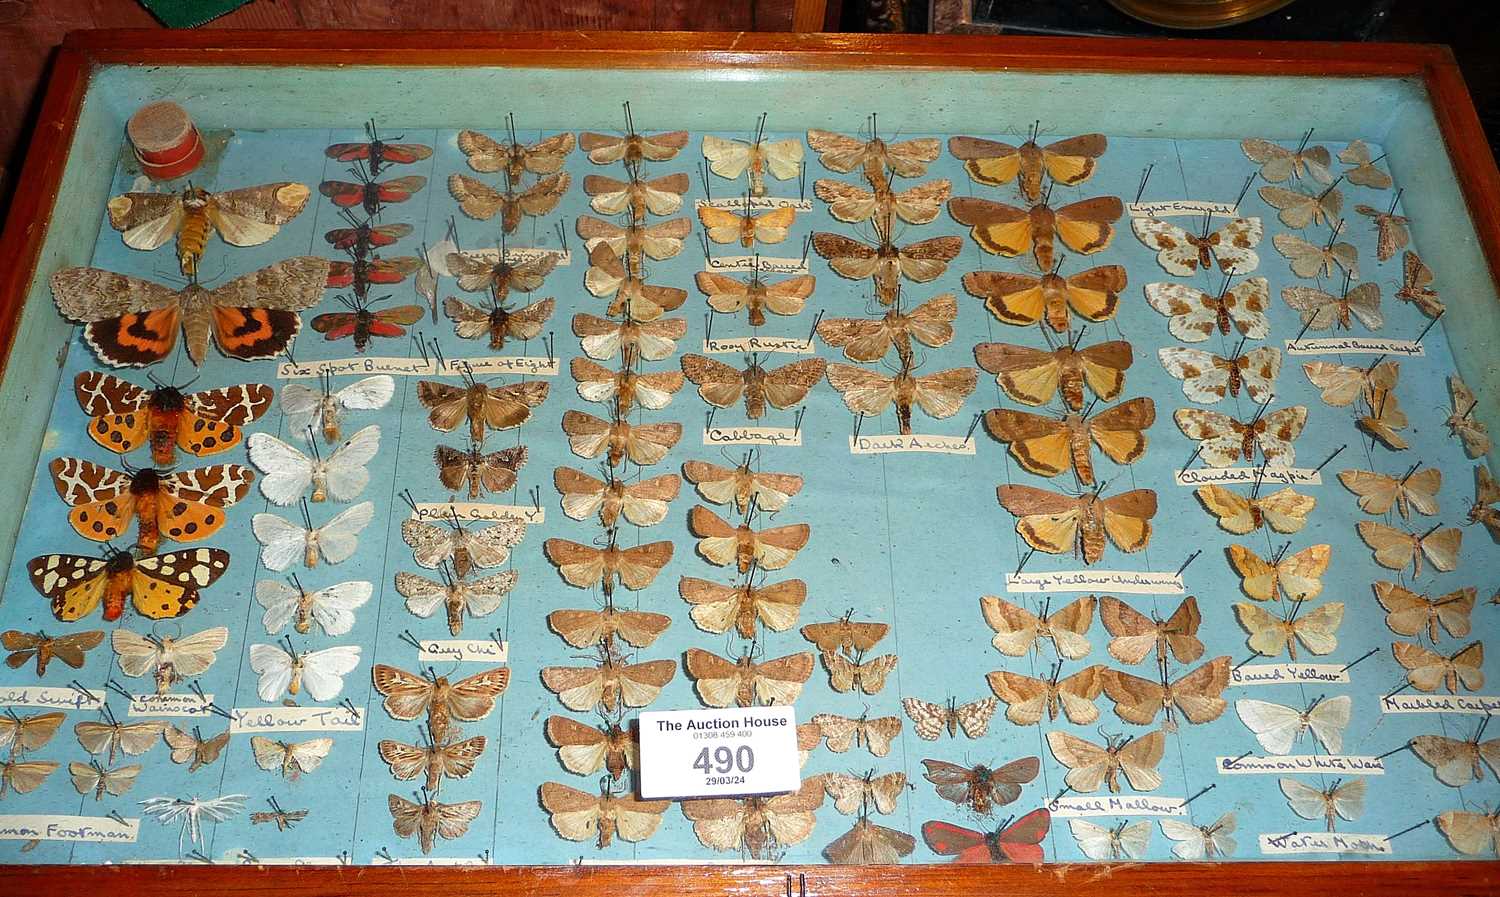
(31, 213)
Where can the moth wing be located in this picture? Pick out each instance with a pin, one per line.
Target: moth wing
(1088, 226)
(323, 671)
(942, 394)
(1175, 252)
(339, 537)
(146, 221)
(1275, 726)
(1275, 161)
(929, 719)
(864, 391)
(718, 383)
(1087, 763)
(1328, 721)
(1192, 314)
(274, 666)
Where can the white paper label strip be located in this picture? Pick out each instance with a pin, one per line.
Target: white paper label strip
(1301, 763)
(463, 651)
(788, 344)
(471, 511)
(911, 442)
(1352, 345)
(668, 861)
(378, 860)
(1483, 705)
(518, 255)
(1247, 476)
(411, 367)
(757, 203)
(764, 263)
(94, 829)
(1118, 805)
(1282, 673)
(1324, 842)
(295, 719)
(528, 365)
(52, 698)
(752, 436)
(1129, 582)
(170, 705)
(1166, 208)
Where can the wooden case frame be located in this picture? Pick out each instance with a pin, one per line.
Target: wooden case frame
(31, 214)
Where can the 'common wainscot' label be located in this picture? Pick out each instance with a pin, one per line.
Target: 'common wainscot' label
(410, 367)
(94, 829)
(752, 436)
(1129, 582)
(1301, 763)
(295, 719)
(1166, 208)
(1248, 476)
(788, 344)
(1281, 673)
(763, 263)
(756, 203)
(1354, 345)
(1324, 842)
(911, 442)
(475, 511)
(51, 698)
(1406, 703)
(463, 651)
(170, 705)
(528, 365)
(1121, 805)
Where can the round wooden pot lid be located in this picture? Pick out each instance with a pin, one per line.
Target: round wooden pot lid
(165, 141)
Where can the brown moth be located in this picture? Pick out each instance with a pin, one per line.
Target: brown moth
(487, 155)
(643, 503)
(585, 566)
(746, 682)
(485, 406)
(770, 549)
(643, 444)
(865, 339)
(478, 472)
(758, 826)
(612, 682)
(1196, 694)
(585, 749)
(1081, 524)
(579, 816)
(741, 485)
(482, 202)
(722, 386)
(624, 389)
(1034, 376)
(1049, 446)
(728, 294)
(431, 820)
(1023, 299)
(659, 196)
(1069, 161)
(433, 761)
(1086, 227)
(717, 607)
(248, 216)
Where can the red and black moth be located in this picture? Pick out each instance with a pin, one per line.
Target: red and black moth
(362, 238)
(363, 324)
(359, 273)
(377, 153)
(370, 194)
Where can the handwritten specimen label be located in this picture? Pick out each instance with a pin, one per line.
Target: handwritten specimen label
(911, 442)
(518, 255)
(170, 705)
(463, 650)
(52, 698)
(1302, 763)
(756, 203)
(1118, 805)
(764, 263)
(1129, 582)
(529, 365)
(789, 344)
(1166, 208)
(1354, 345)
(752, 436)
(295, 719)
(413, 367)
(1324, 842)
(1409, 703)
(478, 511)
(45, 827)
(1281, 673)
(1247, 476)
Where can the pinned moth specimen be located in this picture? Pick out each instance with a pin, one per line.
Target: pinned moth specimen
(1026, 697)
(728, 294)
(248, 216)
(1378, 493)
(586, 628)
(869, 844)
(723, 386)
(184, 507)
(288, 473)
(131, 322)
(283, 542)
(496, 321)
(1391, 233)
(906, 158)
(482, 202)
(1284, 510)
(1069, 161)
(499, 272)
(362, 273)
(376, 152)
(613, 682)
(857, 793)
(585, 566)
(746, 682)
(487, 155)
(410, 695)
(716, 607)
(25, 776)
(724, 226)
(486, 407)
(291, 759)
(579, 816)
(1018, 631)
(844, 733)
(70, 649)
(1023, 299)
(1050, 446)
(781, 159)
(1408, 613)
(91, 778)
(465, 547)
(845, 634)
(283, 819)
(1395, 548)
(848, 672)
(1033, 376)
(1298, 575)
(1086, 227)
(628, 293)
(886, 262)
(931, 720)
(1278, 727)
(456, 595)
(981, 788)
(370, 195)
(159, 587)
(1364, 172)
(655, 241)
(1013, 842)
(866, 339)
(1322, 311)
(1340, 800)
(1183, 253)
(1486, 496)
(430, 820)
(1310, 260)
(432, 760)
(289, 671)
(478, 472)
(1073, 524)
(1471, 833)
(322, 409)
(585, 749)
(1457, 762)
(1341, 384)
(1461, 423)
(1277, 163)
(631, 339)
(165, 659)
(757, 826)
(193, 749)
(1298, 209)
(361, 238)
(1427, 670)
(1223, 440)
(129, 739)
(1196, 695)
(770, 549)
(1194, 315)
(633, 148)
(741, 485)
(1126, 841)
(1136, 636)
(914, 205)
(124, 417)
(1416, 279)
(1270, 635)
(1198, 842)
(659, 196)
(642, 503)
(643, 444)
(331, 607)
(191, 812)
(624, 388)
(869, 393)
